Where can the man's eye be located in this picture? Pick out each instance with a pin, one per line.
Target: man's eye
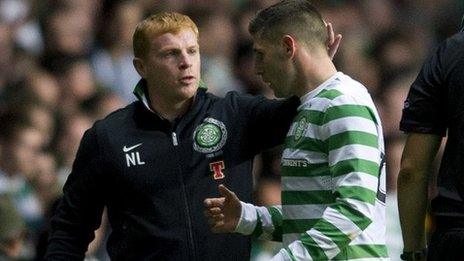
(192, 51)
(170, 53)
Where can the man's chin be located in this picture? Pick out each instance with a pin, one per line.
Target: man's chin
(186, 92)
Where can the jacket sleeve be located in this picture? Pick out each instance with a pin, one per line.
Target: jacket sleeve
(424, 110)
(268, 121)
(79, 211)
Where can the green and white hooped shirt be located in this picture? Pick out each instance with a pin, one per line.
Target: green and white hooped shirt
(333, 180)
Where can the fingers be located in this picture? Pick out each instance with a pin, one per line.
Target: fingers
(216, 220)
(333, 41)
(222, 212)
(218, 227)
(330, 34)
(226, 192)
(334, 47)
(214, 202)
(214, 211)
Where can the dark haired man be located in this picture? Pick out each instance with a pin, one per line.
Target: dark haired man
(333, 174)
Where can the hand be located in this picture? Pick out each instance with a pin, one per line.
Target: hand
(223, 213)
(333, 42)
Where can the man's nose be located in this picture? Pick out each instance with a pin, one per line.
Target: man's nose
(185, 62)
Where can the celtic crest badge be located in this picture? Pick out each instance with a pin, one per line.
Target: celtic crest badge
(300, 128)
(210, 136)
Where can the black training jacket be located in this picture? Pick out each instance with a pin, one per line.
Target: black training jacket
(153, 175)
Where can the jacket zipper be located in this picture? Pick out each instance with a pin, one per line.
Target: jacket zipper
(184, 194)
(174, 139)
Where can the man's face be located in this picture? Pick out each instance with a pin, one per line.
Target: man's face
(272, 65)
(171, 66)
(24, 150)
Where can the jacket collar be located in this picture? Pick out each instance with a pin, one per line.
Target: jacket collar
(141, 92)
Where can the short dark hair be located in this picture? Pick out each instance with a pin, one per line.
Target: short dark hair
(298, 18)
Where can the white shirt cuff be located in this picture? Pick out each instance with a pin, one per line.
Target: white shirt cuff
(248, 219)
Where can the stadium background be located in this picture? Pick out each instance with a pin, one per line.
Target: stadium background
(66, 63)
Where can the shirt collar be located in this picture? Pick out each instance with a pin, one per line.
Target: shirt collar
(308, 96)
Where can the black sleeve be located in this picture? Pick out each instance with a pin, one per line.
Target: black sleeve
(268, 121)
(79, 212)
(425, 107)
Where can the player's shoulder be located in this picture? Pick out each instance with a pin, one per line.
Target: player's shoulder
(345, 90)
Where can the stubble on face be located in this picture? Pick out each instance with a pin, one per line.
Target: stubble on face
(270, 65)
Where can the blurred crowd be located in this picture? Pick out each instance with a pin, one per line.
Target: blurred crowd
(67, 63)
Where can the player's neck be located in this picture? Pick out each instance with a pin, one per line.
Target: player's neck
(314, 74)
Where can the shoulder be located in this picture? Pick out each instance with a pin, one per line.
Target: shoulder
(345, 91)
(118, 117)
(349, 98)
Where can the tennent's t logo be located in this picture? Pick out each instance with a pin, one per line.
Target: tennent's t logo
(132, 158)
(217, 168)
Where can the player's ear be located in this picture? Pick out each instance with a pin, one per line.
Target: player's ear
(139, 66)
(289, 45)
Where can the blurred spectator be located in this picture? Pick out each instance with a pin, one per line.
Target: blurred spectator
(20, 146)
(44, 86)
(102, 104)
(112, 64)
(11, 230)
(78, 85)
(391, 104)
(217, 45)
(73, 128)
(6, 55)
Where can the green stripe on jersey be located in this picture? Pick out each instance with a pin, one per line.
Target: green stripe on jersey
(307, 197)
(362, 251)
(355, 165)
(332, 232)
(258, 231)
(305, 170)
(312, 116)
(348, 110)
(354, 215)
(357, 192)
(305, 143)
(277, 222)
(352, 137)
(291, 226)
(329, 94)
(313, 248)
